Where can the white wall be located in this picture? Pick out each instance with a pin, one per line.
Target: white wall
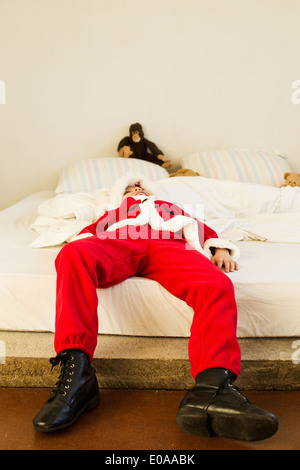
(196, 73)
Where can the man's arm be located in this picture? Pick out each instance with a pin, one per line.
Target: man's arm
(127, 208)
(223, 252)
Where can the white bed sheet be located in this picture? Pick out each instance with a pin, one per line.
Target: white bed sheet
(267, 288)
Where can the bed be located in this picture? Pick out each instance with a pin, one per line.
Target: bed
(259, 216)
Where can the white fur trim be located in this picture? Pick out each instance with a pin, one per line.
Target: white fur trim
(222, 243)
(80, 237)
(149, 215)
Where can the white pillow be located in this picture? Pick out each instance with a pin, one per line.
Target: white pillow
(99, 173)
(251, 166)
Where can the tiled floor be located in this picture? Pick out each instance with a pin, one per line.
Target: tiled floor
(135, 420)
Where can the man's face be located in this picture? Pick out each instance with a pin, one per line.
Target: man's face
(136, 190)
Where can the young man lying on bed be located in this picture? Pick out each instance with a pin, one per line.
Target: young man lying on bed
(157, 240)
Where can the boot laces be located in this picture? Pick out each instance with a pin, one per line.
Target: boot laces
(236, 390)
(227, 382)
(67, 370)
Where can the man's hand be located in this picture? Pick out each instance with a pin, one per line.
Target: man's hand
(222, 258)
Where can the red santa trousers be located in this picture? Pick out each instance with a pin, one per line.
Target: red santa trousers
(90, 263)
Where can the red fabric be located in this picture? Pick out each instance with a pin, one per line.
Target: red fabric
(90, 263)
(130, 208)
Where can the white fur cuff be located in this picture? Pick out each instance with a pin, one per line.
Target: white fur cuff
(222, 243)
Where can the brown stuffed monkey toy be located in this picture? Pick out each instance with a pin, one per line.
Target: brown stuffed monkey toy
(137, 146)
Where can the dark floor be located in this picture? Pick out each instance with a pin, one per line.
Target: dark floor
(135, 420)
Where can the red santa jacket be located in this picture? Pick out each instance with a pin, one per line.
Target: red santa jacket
(161, 216)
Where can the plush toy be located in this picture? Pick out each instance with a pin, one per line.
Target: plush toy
(184, 172)
(137, 146)
(291, 179)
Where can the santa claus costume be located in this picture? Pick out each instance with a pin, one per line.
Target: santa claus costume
(157, 240)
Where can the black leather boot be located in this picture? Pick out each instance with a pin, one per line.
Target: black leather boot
(75, 392)
(215, 407)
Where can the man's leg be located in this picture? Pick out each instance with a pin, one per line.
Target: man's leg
(214, 406)
(82, 266)
(190, 276)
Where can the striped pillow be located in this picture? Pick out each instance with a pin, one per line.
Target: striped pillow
(100, 173)
(251, 166)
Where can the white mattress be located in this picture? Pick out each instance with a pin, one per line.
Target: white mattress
(267, 288)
